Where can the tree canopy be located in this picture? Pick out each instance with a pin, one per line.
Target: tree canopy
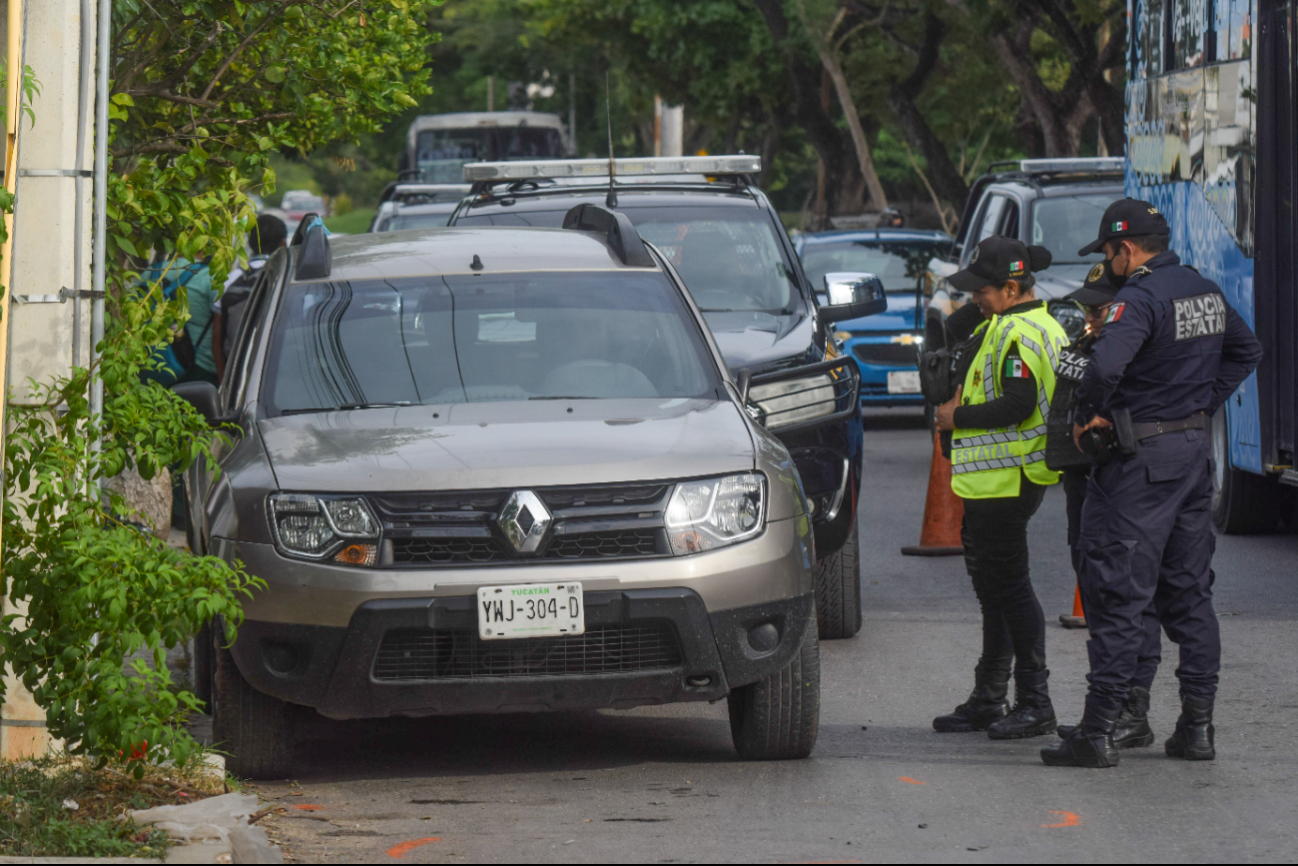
(938, 88)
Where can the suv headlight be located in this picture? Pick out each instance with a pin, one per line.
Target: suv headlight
(714, 512)
(1067, 314)
(785, 403)
(318, 527)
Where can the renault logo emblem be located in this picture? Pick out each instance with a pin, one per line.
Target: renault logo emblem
(524, 520)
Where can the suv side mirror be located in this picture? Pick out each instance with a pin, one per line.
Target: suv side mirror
(203, 396)
(852, 296)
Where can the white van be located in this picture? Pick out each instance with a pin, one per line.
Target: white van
(439, 145)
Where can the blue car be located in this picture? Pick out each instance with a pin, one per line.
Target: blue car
(887, 345)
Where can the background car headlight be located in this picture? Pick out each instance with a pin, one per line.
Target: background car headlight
(316, 527)
(714, 512)
(785, 403)
(1067, 314)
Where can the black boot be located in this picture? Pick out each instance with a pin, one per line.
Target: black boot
(1090, 744)
(1132, 730)
(1194, 736)
(1033, 714)
(986, 704)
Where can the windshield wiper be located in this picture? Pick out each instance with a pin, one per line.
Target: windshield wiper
(561, 397)
(345, 407)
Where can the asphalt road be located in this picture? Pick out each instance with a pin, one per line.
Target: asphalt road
(663, 784)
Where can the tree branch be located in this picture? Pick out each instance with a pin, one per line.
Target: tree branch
(914, 126)
(239, 50)
(164, 93)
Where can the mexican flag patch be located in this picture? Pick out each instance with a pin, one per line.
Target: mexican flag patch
(1016, 267)
(1119, 227)
(1016, 369)
(1115, 313)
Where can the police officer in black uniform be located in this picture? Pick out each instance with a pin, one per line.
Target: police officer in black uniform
(1170, 352)
(1095, 298)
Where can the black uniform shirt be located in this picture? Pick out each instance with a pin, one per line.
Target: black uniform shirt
(1170, 347)
(1018, 398)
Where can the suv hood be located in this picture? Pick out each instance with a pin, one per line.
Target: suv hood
(758, 340)
(510, 444)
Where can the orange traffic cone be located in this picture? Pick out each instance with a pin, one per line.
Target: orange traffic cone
(943, 511)
(1078, 618)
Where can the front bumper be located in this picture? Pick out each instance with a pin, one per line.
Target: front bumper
(775, 565)
(375, 667)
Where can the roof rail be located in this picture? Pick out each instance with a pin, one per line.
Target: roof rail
(548, 168)
(315, 260)
(619, 231)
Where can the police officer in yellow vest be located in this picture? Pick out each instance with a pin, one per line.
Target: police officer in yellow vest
(998, 424)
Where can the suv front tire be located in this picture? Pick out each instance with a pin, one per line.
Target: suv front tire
(777, 717)
(253, 728)
(838, 590)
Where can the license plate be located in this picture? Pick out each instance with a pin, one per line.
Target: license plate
(903, 382)
(530, 610)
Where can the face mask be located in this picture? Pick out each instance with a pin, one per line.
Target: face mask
(1117, 279)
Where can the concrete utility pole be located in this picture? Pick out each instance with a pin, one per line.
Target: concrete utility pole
(669, 129)
(45, 267)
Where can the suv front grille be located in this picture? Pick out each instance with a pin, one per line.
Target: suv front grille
(580, 545)
(450, 528)
(892, 354)
(600, 545)
(427, 654)
(445, 551)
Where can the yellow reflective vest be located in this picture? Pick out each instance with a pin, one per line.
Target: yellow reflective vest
(987, 464)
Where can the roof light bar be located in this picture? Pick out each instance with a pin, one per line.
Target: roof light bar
(551, 168)
(1084, 164)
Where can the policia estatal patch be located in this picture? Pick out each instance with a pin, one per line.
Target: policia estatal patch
(1072, 364)
(1200, 316)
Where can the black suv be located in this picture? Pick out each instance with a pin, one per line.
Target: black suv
(720, 232)
(1054, 203)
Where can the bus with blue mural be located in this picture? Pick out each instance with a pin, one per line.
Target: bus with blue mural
(1212, 142)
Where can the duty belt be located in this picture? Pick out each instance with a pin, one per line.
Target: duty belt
(1150, 429)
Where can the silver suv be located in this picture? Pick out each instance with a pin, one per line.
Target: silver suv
(490, 470)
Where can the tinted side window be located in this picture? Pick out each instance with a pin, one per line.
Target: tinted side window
(1010, 222)
(989, 220)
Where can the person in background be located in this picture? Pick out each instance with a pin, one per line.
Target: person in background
(189, 357)
(268, 235)
(891, 218)
(998, 469)
(1094, 298)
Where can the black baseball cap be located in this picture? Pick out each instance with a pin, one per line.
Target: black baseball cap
(997, 259)
(1096, 290)
(1125, 218)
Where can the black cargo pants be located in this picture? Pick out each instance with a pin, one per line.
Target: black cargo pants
(995, 536)
(1146, 544)
(1151, 651)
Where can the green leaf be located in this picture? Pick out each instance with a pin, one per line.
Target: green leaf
(125, 244)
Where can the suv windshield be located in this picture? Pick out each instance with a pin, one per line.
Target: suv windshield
(484, 339)
(414, 221)
(899, 264)
(1066, 223)
(729, 257)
